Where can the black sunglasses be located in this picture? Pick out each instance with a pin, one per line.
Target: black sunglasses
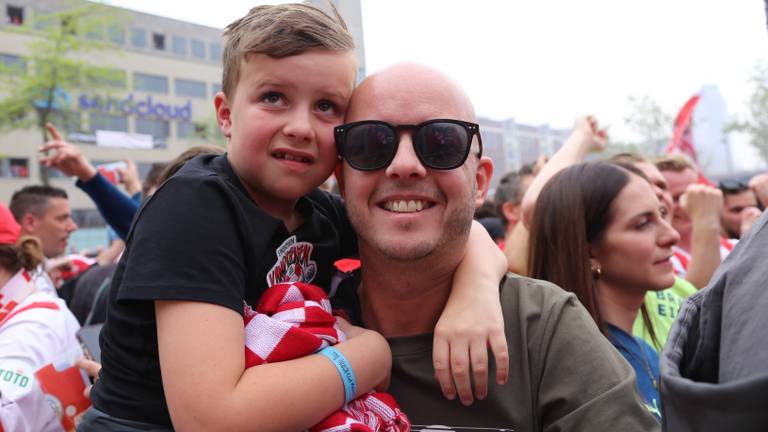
(733, 186)
(441, 144)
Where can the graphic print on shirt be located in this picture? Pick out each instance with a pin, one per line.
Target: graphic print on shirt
(294, 263)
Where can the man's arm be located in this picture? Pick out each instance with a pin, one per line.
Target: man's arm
(703, 204)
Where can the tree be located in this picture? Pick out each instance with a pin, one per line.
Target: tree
(756, 123)
(650, 123)
(36, 88)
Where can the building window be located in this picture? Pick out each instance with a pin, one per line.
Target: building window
(190, 88)
(215, 88)
(106, 77)
(185, 129)
(216, 52)
(108, 122)
(179, 45)
(15, 15)
(159, 129)
(158, 41)
(14, 168)
(116, 34)
(150, 83)
(138, 38)
(13, 62)
(198, 48)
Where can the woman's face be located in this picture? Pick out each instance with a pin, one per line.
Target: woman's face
(635, 249)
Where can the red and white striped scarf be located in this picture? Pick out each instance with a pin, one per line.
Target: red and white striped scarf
(295, 319)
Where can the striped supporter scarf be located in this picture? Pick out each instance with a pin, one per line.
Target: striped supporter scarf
(293, 320)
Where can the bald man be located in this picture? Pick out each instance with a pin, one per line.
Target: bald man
(412, 176)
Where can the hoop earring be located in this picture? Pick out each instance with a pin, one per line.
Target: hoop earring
(597, 272)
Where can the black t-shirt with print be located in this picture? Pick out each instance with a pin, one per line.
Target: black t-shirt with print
(202, 238)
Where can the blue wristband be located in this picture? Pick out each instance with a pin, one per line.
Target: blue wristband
(345, 370)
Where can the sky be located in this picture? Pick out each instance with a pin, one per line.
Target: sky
(550, 61)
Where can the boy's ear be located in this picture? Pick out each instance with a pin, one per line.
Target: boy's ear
(223, 114)
(339, 173)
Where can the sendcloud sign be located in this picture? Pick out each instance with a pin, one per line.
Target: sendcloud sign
(141, 107)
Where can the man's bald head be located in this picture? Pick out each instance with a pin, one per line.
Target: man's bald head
(395, 89)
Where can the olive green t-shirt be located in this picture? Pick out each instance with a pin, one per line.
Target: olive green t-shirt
(564, 374)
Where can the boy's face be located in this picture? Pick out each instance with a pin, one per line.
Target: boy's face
(279, 122)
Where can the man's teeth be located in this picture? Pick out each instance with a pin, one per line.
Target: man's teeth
(290, 157)
(403, 206)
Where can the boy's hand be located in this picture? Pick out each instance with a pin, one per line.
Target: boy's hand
(461, 345)
(67, 158)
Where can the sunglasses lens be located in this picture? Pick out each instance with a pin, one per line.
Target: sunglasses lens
(442, 145)
(369, 146)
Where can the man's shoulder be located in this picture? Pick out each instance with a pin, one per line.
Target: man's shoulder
(533, 293)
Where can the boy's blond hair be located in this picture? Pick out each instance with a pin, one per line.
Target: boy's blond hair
(674, 162)
(281, 31)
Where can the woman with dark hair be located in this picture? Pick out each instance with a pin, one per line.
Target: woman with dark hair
(597, 230)
(36, 329)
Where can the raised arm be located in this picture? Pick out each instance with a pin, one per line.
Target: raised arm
(115, 207)
(586, 137)
(703, 204)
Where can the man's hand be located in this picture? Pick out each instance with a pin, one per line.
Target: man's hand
(759, 185)
(702, 203)
(748, 217)
(129, 177)
(66, 157)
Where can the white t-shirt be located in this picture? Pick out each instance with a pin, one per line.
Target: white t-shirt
(30, 340)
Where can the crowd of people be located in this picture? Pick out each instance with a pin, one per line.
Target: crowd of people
(237, 295)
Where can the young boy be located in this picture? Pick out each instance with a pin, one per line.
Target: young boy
(227, 227)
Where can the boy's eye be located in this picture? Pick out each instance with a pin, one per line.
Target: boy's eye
(326, 106)
(272, 98)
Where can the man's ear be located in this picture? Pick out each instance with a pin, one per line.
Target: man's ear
(511, 212)
(483, 179)
(338, 171)
(28, 223)
(223, 114)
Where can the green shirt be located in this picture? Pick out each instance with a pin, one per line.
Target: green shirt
(662, 307)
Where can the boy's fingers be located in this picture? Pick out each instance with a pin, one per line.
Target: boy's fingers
(440, 360)
(499, 348)
(479, 355)
(460, 372)
(52, 131)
